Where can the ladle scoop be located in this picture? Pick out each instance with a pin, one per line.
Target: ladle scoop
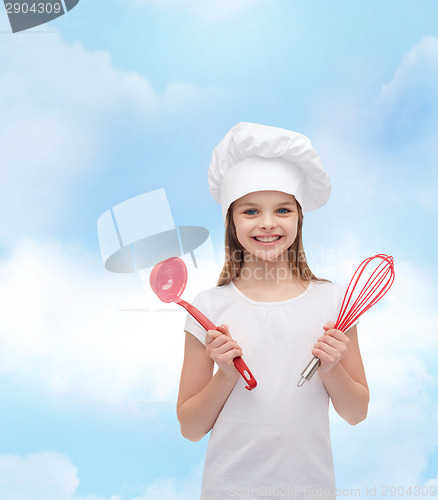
(168, 280)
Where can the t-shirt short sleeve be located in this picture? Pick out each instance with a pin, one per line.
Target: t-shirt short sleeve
(192, 326)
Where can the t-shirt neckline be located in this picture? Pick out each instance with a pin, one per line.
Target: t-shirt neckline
(287, 301)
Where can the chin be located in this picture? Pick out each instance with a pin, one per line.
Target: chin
(267, 256)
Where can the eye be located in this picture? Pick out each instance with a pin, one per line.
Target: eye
(250, 211)
(283, 210)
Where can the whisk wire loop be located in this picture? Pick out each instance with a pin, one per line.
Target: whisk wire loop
(374, 289)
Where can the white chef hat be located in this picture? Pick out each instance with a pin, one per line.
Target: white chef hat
(254, 157)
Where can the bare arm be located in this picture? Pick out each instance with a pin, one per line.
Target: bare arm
(343, 374)
(201, 395)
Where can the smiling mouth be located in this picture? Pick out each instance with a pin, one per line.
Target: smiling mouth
(267, 239)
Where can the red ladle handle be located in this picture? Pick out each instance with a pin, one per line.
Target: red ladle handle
(208, 325)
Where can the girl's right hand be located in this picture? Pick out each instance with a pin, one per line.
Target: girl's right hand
(222, 349)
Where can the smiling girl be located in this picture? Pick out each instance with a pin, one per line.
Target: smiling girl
(273, 441)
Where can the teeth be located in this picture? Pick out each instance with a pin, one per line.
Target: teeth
(268, 239)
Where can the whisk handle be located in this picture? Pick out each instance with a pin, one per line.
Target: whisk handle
(309, 371)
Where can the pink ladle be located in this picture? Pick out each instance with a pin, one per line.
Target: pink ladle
(168, 280)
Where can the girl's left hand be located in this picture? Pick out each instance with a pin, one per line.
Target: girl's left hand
(330, 348)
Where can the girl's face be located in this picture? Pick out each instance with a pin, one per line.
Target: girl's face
(266, 223)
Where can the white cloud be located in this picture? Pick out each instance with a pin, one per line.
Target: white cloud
(210, 10)
(172, 489)
(432, 483)
(403, 109)
(413, 89)
(405, 117)
(40, 476)
(71, 327)
(51, 476)
(61, 108)
(383, 148)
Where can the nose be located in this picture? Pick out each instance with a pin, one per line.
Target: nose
(267, 223)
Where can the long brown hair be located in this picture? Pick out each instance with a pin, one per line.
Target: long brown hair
(234, 253)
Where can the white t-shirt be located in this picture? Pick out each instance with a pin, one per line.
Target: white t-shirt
(273, 441)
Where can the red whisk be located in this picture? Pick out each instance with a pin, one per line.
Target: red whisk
(373, 290)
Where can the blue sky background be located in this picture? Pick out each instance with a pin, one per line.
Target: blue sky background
(121, 97)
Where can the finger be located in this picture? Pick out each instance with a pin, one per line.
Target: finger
(224, 340)
(229, 355)
(331, 341)
(334, 336)
(228, 347)
(329, 326)
(327, 348)
(323, 356)
(212, 335)
(337, 334)
(224, 329)
(219, 341)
